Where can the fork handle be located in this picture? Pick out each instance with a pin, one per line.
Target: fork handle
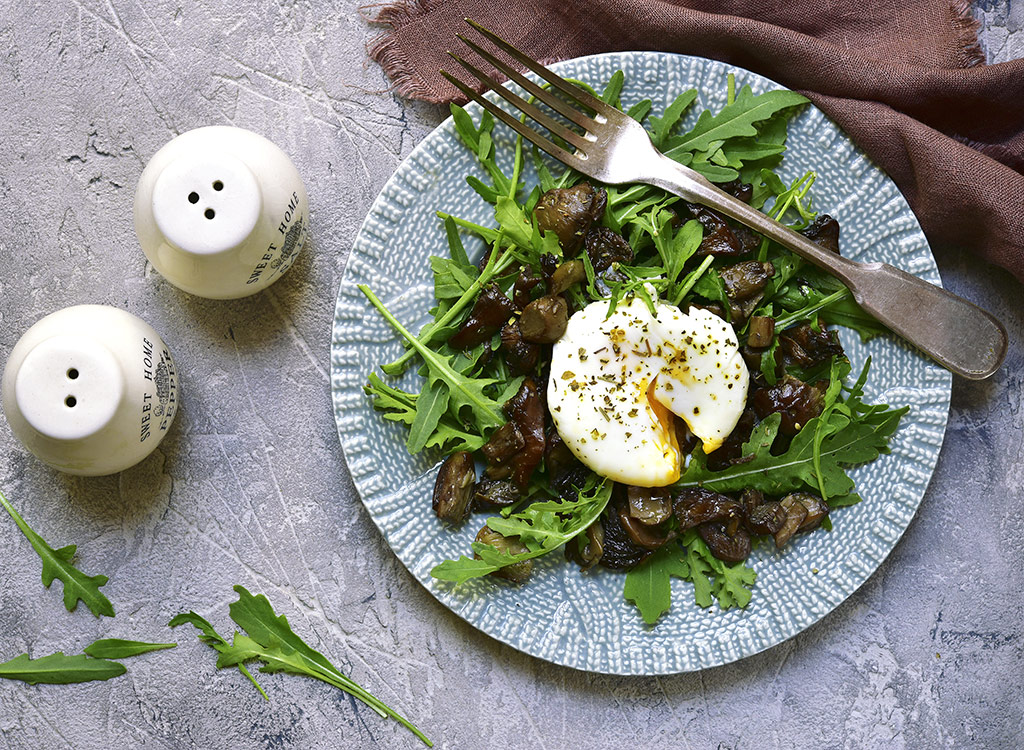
(956, 333)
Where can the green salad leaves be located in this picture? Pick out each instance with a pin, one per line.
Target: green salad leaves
(463, 398)
(93, 664)
(59, 669)
(57, 564)
(270, 639)
(541, 526)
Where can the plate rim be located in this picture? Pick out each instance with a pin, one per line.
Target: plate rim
(446, 128)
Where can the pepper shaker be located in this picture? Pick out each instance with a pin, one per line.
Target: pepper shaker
(90, 390)
(221, 212)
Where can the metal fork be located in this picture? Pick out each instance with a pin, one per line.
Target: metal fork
(616, 149)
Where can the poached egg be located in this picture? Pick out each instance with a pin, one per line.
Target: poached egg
(616, 381)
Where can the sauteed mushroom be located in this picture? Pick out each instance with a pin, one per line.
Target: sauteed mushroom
(491, 494)
(824, 231)
(620, 551)
(517, 572)
(586, 549)
(569, 213)
(794, 399)
(569, 273)
(696, 505)
(453, 488)
(521, 355)
(808, 347)
(728, 545)
(544, 320)
(649, 505)
(489, 314)
(605, 246)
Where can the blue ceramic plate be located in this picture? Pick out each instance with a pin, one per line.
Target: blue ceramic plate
(579, 620)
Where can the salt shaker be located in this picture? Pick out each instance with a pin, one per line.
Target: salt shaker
(221, 212)
(90, 390)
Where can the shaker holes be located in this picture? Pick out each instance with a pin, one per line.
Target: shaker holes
(72, 373)
(193, 197)
(70, 401)
(218, 185)
(209, 213)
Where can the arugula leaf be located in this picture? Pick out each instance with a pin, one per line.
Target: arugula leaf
(464, 391)
(212, 638)
(730, 584)
(58, 669)
(675, 250)
(766, 185)
(115, 648)
(495, 266)
(400, 406)
(541, 526)
(649, 586)
(481, 143)
(611, 92)
(852, 434)
(271, 640)
(514, 221)
(663, 126)
(431, 404)
(684, 287)
(451, 279)
(711, 287)
(771, 131)
(57, 564)
(804, 302)
(701, 570)
(640, 110)
(734, 120)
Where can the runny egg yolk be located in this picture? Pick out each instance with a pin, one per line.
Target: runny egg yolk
(616, 381)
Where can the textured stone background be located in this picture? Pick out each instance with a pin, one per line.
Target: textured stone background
(251, 487)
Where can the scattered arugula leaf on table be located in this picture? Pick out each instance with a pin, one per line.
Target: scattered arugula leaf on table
(209, 636)
(57, 564)
(116, 648)
(270, 639)
(59, 669)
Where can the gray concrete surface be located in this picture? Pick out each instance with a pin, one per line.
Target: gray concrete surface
(251, 486)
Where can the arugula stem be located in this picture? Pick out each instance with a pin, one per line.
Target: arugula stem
(692, 279)
(340, 681)
(495, 265)
(806, 312)
(245, 670)
(25, 529)
(797, 193)
(517, 164)
(488, 233)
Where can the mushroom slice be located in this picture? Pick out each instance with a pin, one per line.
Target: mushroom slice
(453, 488)
(517, 572)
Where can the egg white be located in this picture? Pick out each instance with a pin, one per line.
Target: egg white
(614, 381)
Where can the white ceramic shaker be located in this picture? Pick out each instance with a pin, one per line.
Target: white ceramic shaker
(90, 390)
(221, 212)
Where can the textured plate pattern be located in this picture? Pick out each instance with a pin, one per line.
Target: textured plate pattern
(582, 620)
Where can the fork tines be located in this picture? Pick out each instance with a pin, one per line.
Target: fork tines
(545, 96)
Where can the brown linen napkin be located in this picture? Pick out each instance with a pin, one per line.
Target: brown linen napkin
(906, 81)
